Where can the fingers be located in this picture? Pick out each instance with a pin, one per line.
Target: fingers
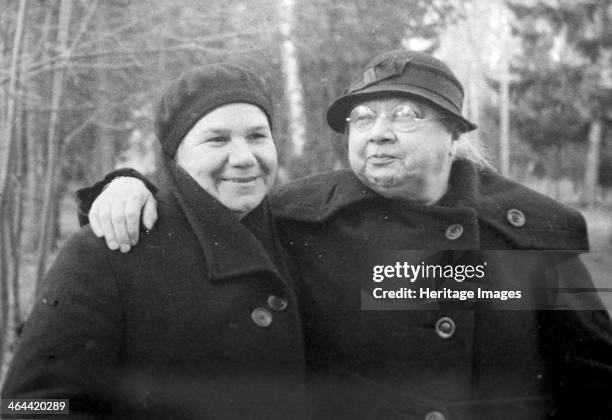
(132, 220)
(149, 213)
(101, 223)
(115, 214)
(94, 220)
(106, 225)
(118, 219)
(141, 203)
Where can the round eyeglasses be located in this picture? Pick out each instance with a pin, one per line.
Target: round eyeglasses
(403, 118)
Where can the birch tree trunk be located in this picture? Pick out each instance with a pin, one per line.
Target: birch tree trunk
(8, 308)
(591, 173)
(6, 143)
(49, 187)
(294, 92)
(504, 123)
(104, 147)
(504, 98)
(15, 216)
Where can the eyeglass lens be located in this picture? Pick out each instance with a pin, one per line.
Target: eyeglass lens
(402, 118)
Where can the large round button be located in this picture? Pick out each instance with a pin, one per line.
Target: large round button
(516, 217)
(445, 327)
(262, 317)
(454, 231)
(277, 303)
(434, 415)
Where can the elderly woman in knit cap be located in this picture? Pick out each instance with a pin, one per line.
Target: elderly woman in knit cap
(416, 184)
(200, 320)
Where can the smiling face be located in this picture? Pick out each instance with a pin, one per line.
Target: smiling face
(230, 153)
(409, 165)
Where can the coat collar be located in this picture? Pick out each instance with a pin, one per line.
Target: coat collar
(319, 197)
(480, 191)
(228, 245)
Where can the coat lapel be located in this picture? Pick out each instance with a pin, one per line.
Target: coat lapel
(229, 248)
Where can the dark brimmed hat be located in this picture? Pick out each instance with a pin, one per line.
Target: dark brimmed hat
(199, 91)
(402, 72)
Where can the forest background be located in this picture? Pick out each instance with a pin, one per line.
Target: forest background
(79, 79)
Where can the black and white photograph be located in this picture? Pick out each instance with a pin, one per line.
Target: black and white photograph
(306, 209)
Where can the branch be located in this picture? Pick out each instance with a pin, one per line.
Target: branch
(76, 131)
(50, 66)
(45, 65)
(83, 26)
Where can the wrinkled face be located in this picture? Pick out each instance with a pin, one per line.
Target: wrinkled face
(231, 155)
(397, 158)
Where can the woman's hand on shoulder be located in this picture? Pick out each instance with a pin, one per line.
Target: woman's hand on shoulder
(116, 213)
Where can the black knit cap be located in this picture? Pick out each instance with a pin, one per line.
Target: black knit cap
(401, 72)
(197, 92)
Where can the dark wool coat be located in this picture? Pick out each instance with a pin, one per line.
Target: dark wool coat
(198, 321)
(483, 363)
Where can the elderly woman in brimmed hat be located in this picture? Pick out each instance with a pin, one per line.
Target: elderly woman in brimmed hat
(200, 321)
(416, 184)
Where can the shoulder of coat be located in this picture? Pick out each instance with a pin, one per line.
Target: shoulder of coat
(521, 207)
(310, 186)
(170, 224)
(316, 197)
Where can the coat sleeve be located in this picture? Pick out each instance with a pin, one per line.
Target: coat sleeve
(70, 344)
(578, 345)
(86, 196)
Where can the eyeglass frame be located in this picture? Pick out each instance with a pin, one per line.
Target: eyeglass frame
(418, 121)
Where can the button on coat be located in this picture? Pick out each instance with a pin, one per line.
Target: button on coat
(277, 303)
(261, 317)
(454, 232)
(445, 327)
(435, 415)
(516, 217)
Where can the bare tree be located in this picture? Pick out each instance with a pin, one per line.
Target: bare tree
(65, 9)
(599, 24)
(592, 162)
(294, 93)
(7, 234)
